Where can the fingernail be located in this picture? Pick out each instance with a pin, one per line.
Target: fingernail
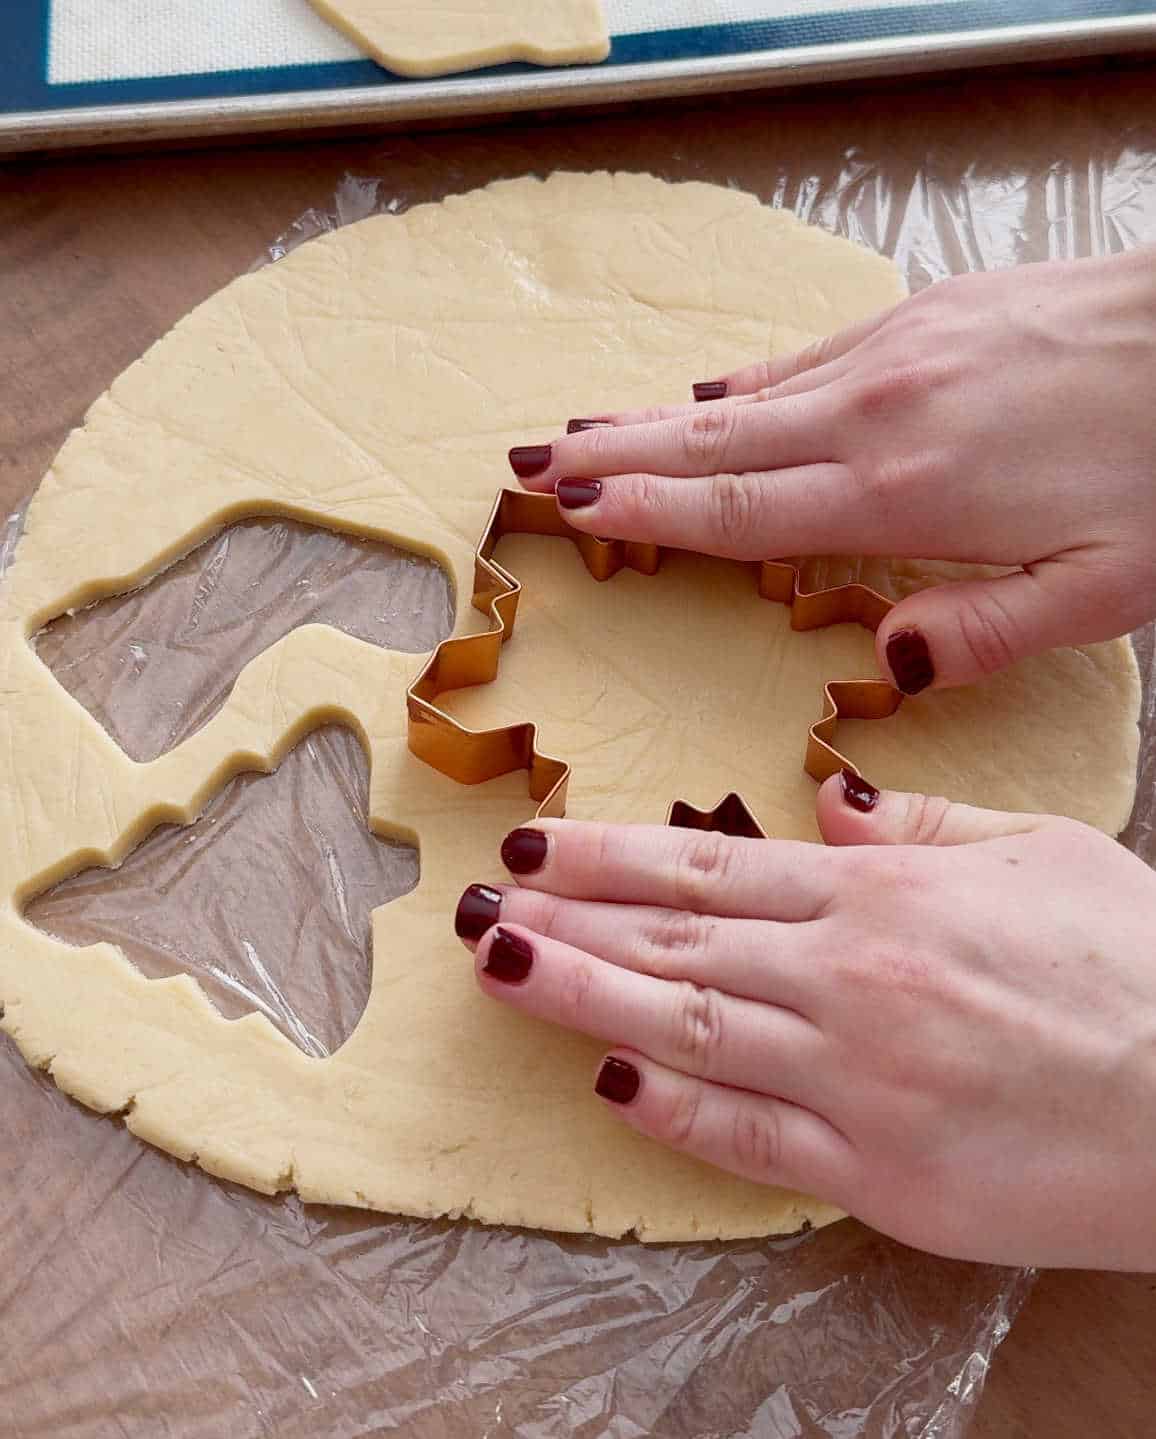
(529, 460)
(478, 911)
(910, 661)
(710, 390)
(575, 427)
(859, 793)
(578, 494)
(510, 958)
(524, 851)
(617, 1081)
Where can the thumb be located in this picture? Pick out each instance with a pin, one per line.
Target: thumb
(958, 633)
(852, 811)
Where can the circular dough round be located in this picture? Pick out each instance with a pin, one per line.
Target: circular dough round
(371, 382)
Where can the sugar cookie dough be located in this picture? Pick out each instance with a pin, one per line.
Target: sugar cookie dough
(435, 37)
(372, 382)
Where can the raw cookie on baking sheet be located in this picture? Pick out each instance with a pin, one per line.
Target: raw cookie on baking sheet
(372, 382)
(438, 37)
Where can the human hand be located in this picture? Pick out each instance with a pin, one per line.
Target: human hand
(945, 1024)
(1005, 419)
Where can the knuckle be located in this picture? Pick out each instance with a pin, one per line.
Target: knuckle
(597, 446)
(881, 974)
(671, 939)
(682, 1118)
(876, 486)
(919, 320)
(902, 970)
(731, 514)
(887, 875)
(698, 1028)
(891, 388)
(757, 1141)
(927, 817)
(602, 852)
(705, 864)
(549, 916)
(873, 867)
(815, 354)
(985, 633)
(707, 436)
(764, 374)
(640, 497)
(884, 483)
(574, 994)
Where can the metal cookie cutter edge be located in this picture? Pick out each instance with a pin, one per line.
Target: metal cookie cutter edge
(475, 756)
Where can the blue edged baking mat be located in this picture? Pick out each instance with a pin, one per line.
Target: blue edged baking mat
(80, 70)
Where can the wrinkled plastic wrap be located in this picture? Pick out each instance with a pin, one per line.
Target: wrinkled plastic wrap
(195, 1309)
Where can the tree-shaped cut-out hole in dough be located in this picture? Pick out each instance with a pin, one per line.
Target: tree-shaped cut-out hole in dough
(153, 666)
(265, 900)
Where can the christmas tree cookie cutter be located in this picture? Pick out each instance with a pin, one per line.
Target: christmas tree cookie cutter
(475, 756)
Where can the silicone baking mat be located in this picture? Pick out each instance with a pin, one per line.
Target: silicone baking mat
(93, 61)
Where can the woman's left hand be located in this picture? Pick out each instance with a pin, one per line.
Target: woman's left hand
(943, 1022)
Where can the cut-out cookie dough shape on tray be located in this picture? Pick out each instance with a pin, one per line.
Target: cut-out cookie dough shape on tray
(371, 382)
(438, 37)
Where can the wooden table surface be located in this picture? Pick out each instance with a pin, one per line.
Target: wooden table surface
(100, 255)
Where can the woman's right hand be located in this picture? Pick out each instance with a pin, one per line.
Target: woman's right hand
(1006, 419)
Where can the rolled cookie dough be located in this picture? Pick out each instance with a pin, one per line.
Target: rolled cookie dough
(371, 382)
(435, 37)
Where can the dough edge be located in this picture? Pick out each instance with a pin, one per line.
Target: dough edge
(266, 736)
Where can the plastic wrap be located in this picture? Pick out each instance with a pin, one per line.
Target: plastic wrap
(142, 1298)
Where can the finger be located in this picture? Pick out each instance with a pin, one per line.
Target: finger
(697, 1030)
(807, 510)
(757, 1137)
(767, 374)
(752, 959)
(673, 868)
(648, 415)
(744, 384)
(652, 414)
(853, 812)
(712, 440)
(958, 633)
(800, 384)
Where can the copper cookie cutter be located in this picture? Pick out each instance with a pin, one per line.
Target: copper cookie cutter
(475, 756)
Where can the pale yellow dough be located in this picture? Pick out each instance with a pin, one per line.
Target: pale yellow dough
(372, 382)
(436, 37)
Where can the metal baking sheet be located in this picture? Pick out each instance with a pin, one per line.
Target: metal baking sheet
(77, 72)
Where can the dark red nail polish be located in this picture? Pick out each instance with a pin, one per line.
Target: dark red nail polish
(858, 792)
(478, 911)
(526, 461)
(578, 494)
(524, 851)
(576, 427)
(910, 661)
(710, 390)
(617, 1081)
(510, 959)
